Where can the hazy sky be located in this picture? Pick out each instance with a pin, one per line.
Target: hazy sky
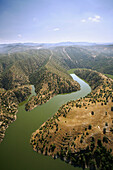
(56, 20)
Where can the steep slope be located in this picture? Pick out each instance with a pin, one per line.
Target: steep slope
(48, 84)
(98, 58)
(18, 70)
(81, 132)
(19, 66)
(9, 101)
(47, 69)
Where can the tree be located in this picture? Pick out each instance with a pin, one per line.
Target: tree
(89, 127)
(53, 147)
(92, 112)
(105, 139)
(111, 108)
(92, 165)
(104, 130)
(99, 142)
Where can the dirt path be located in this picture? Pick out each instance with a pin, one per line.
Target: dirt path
(64, 50)
(50, 55)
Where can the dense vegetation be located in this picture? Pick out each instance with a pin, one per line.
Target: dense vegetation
(98, 58)
(92, 77)
(15, 70)
(17, 67)
(47, 85)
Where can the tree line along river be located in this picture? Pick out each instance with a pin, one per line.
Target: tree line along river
(16, 152)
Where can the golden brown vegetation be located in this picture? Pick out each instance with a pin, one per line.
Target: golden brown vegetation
(81, 128)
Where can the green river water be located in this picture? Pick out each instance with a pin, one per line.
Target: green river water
(16, 152)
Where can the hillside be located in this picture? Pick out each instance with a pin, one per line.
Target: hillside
(16, 67)
(20, 69)
(98, 58)
(81, 132)
(9, 101)
(49, 84)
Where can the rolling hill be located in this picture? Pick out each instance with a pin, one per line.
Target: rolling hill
(46, 67)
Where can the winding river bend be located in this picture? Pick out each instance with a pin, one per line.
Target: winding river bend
(16, 152)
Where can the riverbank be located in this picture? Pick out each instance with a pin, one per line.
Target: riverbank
(51, 85)
(15, 147)
(79, 125)
(9, 102)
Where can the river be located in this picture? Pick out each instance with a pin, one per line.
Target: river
(16, 152)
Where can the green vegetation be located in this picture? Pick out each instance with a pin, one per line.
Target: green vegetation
(109, 75)
(92, 77)
(16, 68)
(37, 67)
(71, 71)
(47, 85)
(96, 58)
(47, 70)
(112, 108)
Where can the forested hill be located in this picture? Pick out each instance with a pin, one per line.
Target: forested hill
(15, 68)
(18, 70)
(44, 66)
(20, 62)
(98, 58)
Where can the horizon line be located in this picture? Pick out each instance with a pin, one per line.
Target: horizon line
(28, 42)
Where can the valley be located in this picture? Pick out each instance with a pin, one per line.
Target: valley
(16, 148)
(80, 126)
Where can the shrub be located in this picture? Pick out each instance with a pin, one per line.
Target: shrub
(99, 142)
(75, 138)
(89, 127)
(81, 140)
(105, 139)
(105, 113)
(104, 130)
(106, 124)
(53, 147)
(112, 108)
(92, 112)
(93, 139)
(87, 133)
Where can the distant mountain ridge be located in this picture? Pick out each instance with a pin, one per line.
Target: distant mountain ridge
(45, 66)
(16, 47)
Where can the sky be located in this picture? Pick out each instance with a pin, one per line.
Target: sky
(50, 21)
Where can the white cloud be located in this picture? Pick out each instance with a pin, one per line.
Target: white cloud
(83, 20)
(90, 18)
(96, 18)
(56, 29)
(19, 35)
